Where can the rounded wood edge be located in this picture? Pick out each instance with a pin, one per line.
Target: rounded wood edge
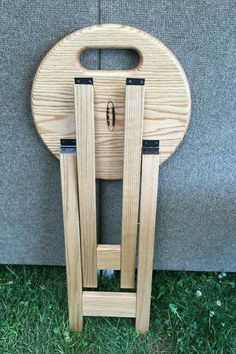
(116, 26)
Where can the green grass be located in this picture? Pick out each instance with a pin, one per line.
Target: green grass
(34, 318)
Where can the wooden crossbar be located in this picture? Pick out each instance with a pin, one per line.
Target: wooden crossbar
(108, 257)
(134, 109)
(148, 204)
(111, 304)
(72, 239)
(85, 139)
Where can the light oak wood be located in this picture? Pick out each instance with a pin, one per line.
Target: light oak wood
(72, 240)
(84, 119)
(148, 204)
(134, 108)
(61, 113)
(110, 304)
(108, 257)
(167, 94)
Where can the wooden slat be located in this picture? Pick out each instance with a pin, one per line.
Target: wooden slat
(84, 119)
(110, 304)
(108, 257)
(72, 239)
(148, 204)
(134, 108)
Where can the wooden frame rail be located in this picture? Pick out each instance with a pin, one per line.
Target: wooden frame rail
(134, 109)
(85, 137)
(72, 236)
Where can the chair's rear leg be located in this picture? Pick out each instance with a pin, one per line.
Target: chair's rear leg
(148, 205)
(72, 236)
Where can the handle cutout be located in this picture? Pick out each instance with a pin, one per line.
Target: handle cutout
(109, 59)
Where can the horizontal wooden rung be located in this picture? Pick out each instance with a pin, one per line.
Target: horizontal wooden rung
(108, 257)
(110, 304)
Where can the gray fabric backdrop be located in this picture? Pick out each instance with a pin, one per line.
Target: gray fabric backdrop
(197, 195)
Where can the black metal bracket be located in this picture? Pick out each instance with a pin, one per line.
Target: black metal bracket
(151, 147)
(83, 80)
(132, 81)
(68, 146)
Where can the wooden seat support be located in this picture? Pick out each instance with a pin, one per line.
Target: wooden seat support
(134, 108)
(85, 137)
(140, 181)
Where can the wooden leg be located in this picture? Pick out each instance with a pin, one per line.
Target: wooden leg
(85, 138)
(72, 239)
(148, 204)
(134, 108)
(102, 256)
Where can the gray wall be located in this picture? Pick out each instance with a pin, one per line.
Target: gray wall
(197, 195)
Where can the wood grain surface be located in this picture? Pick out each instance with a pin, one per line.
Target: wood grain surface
(110, 304)
(167, 95)
(108, 257)
(134, 107)
(148, 206)
(72, 240)
(85, 142)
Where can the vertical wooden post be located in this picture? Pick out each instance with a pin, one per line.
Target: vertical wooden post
(134, 109)
(148, 205)
(72, 239)
(85, 139)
